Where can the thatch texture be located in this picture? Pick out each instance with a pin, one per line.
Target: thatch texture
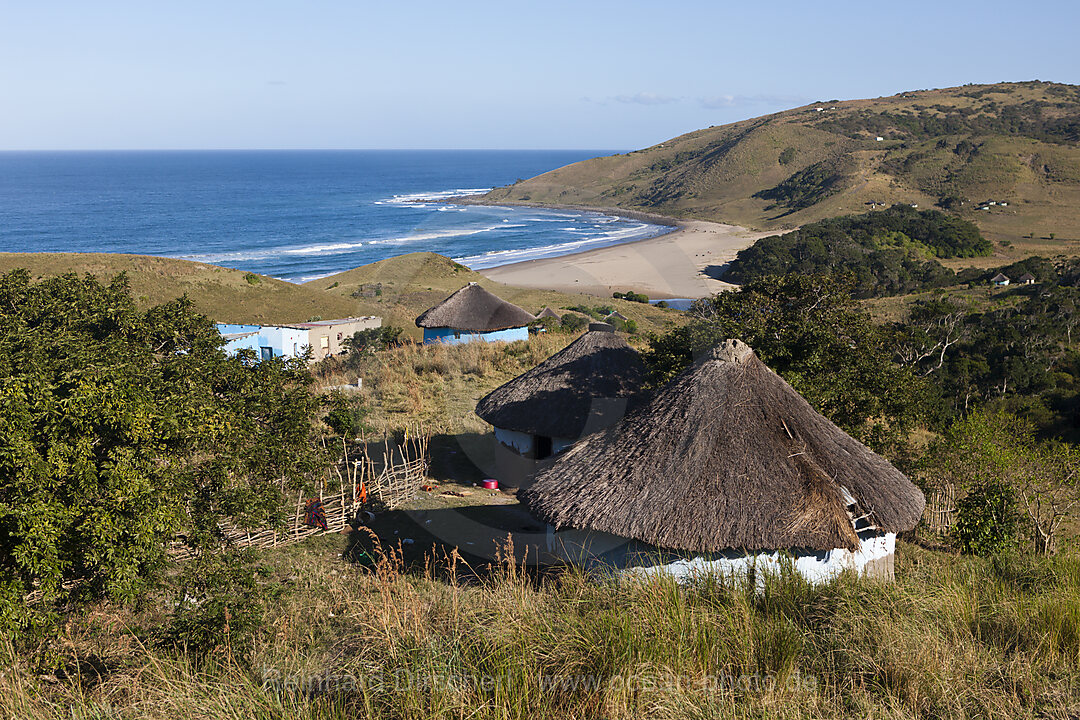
(547, 313)
(475, 309)
(727, 456)
(582, 388)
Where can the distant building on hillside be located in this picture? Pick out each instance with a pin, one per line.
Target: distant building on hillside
(1000, 280)
(327, 337)
(1026, 279)
(473, 313)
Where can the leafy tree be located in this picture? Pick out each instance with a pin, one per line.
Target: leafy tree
(810, 331)
(124, 431)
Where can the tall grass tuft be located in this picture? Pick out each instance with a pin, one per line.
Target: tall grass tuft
(952, 637)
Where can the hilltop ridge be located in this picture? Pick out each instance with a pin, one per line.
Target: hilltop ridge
(954, 148)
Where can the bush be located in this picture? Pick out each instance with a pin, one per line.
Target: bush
(345, 415)
(987, 519)
(631, 296)
(572, 323)
(372, 339)
(252, 278)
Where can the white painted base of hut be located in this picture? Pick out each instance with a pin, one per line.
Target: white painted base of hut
(525, 444)
(606, 554)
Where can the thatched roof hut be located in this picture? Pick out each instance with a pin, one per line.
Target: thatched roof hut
(572, 392)
(727, 456)
(474, 309)
(547, 313)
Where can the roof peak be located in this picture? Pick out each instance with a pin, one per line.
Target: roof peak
(732, 351)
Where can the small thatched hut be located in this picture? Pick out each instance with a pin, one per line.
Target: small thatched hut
(473, 313)
(727, 467)
(582, 389)
(547, 313)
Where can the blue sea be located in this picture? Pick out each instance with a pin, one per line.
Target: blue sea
(296, 215)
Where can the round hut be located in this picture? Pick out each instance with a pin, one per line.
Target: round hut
(547, 313)
(583, 388)
(726, 468)
(473, 313)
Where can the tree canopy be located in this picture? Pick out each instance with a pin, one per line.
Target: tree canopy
(888, 252)
(124, 431)
(810, 331)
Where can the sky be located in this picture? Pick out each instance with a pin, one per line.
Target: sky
(112, 74)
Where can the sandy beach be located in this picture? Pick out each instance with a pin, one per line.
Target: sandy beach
(676, 265)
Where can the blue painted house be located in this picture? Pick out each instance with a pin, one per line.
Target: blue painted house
(473, 313)
(268, 341)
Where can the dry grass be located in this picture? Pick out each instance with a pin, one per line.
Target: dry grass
(221, 293)
(953, 637)
(438, 385)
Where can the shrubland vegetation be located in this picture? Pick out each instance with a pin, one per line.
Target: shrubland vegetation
(888, 252)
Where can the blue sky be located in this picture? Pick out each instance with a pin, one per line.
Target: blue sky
(603, 75)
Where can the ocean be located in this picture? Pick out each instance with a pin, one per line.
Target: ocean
(296, 215)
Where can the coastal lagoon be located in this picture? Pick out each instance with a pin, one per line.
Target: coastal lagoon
(296, 215)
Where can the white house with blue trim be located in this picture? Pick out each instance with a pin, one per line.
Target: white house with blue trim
(473, 313)
(268, 341)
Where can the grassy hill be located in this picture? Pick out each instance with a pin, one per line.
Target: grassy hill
(400, 288)
(221, 293)
(956, 148)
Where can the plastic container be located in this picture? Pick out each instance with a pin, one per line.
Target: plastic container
(490, 484)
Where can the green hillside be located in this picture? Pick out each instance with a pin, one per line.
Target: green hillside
(221, 293)
(955, 148)
(400, 288)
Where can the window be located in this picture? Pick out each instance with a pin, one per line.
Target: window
(457, 335)
(266, 353)
(339, 337)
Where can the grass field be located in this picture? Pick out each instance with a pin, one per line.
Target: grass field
(953, 637)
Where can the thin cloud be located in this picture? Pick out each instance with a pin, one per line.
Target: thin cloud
(732, 101)
(645, 98)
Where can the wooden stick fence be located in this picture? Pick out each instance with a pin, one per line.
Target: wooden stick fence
(387, 480)
(940, 508)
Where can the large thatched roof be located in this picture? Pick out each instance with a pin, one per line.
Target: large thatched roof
(580, 389)
(726, 456)
(474, 308)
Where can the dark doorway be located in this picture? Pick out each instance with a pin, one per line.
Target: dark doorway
(543, 446)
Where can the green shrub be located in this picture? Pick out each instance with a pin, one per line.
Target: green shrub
(987, 519)
(572, 323)
(252, 278)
